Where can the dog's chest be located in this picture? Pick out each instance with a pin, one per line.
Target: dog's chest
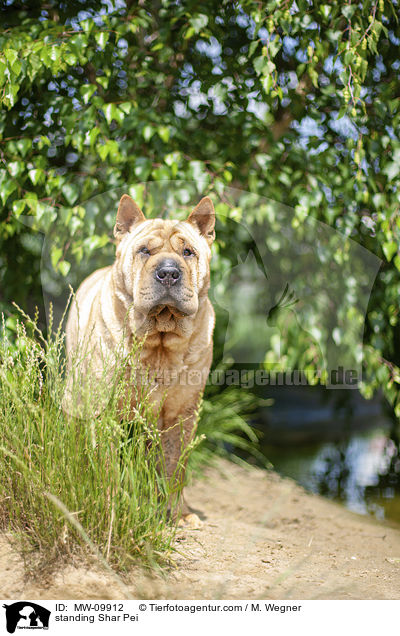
(162, 362)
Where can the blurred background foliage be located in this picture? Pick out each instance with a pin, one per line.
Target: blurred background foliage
(296, 101)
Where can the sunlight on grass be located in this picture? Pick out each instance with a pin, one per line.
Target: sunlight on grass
(101, 471)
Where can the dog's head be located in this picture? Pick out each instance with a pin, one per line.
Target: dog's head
(164, 264)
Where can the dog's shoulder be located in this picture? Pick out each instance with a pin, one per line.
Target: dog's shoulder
(92, 283)
(82, 304)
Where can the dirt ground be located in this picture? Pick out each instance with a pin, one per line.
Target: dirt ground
(262, 537)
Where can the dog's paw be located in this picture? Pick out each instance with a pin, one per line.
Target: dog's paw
(191, 521)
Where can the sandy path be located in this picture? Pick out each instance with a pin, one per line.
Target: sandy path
(263, 537)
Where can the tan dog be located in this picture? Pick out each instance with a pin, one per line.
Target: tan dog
(156, 289)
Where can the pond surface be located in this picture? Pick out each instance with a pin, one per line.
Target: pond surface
(350, 472)
(335, 444)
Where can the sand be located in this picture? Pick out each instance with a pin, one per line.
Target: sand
(263, 537)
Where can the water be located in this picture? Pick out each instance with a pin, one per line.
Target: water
(350, 472)
(336, 445)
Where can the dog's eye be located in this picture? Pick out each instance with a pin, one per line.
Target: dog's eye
(187, 252)
(144, 250)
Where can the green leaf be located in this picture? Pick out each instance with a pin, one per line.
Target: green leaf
(45, 215)
(15, 168)
(252, 47)
(161, 173)
(109, 112)
(55, 255)
(259, 64)
(314, 76)
(70, 192)
(31, 200)
(87, 91)
(10, 94)
(349, 56)
(126, 107)
(163, 133)
(102, 38)
(87, 25)
(36, 175)
(147, 132)
(348, 10)
(103, 151)
(142, 168)
(199, 22)
(189, 33)
(64, 267)
(391, 170)
(16, 68)
(70, 58)
(325, 10)
(94, 133)
(18, 207)
(103, 81)
(43, 142)
(6, 189)
(3, 68)
(389, 249)
(267, 83)
(11, 55)
(23, 146)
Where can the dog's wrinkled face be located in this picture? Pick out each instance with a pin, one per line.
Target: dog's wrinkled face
(164, 263)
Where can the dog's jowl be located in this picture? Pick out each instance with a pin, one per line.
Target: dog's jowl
(156, 290)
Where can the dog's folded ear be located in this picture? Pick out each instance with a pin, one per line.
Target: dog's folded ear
(128, 215)
(203, 218)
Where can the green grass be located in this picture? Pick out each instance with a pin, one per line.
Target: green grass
(224, 429)
(65, 483)
(94, 484)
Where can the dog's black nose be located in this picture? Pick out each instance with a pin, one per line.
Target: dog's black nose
(168, 273)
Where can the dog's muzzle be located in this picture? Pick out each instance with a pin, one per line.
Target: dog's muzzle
(168, 273)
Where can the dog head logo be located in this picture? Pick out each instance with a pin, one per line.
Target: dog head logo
(163, 264)
(26, 615)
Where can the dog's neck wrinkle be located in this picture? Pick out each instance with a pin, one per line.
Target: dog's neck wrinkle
(172, 350)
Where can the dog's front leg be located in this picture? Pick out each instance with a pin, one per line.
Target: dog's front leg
(176, 436)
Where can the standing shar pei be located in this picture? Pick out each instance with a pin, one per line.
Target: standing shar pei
(156, 290)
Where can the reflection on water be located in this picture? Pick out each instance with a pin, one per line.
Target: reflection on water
(362, 472)
(336, 444)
